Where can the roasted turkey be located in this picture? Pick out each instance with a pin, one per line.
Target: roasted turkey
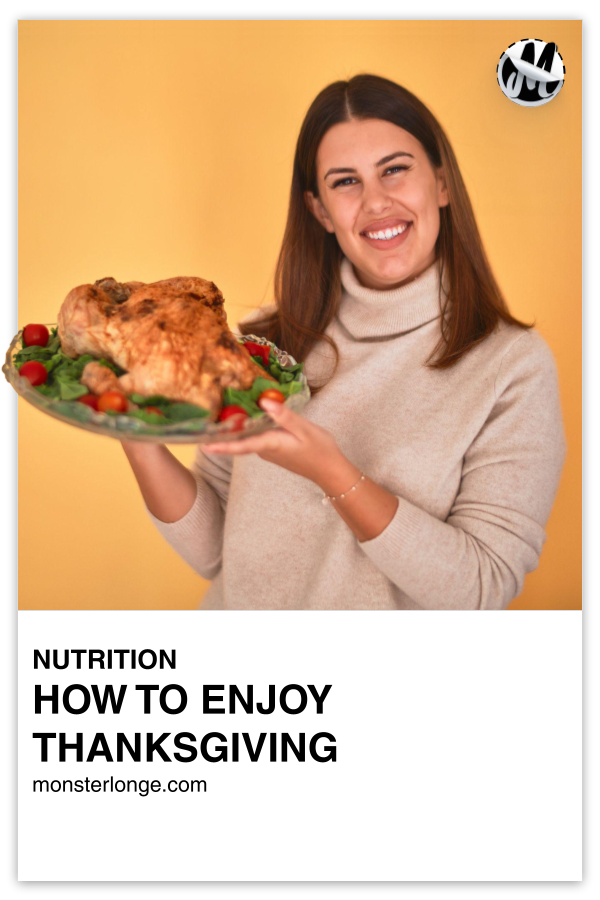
(170, 336)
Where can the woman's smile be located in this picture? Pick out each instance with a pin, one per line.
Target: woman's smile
(386, 236)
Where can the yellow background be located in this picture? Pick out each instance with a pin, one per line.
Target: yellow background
(154, 149)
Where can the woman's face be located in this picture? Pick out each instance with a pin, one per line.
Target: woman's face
(381, 197)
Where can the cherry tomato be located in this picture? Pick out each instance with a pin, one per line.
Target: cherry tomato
(34, 371)
(258, 350)
(36, 335)
(253, 348)
(89, 400)
(154, 410)
(235, 415)
(272, 394)
(228, 411)
(112, 400)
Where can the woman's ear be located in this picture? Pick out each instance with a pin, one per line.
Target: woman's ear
(442, 189)
(318, 211)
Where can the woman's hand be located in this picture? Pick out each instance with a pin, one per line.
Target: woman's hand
(311, 451)
(297, 445)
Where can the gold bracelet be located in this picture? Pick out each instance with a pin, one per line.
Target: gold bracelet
(327, 499)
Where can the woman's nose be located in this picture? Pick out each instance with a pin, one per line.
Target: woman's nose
(375, 198)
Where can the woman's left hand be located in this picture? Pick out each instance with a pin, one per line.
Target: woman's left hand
(297, 445)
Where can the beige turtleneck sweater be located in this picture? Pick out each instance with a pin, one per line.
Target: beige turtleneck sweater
(474, 454)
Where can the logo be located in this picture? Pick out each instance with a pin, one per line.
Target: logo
(531, 72)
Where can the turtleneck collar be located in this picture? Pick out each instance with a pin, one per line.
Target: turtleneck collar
(366, 313)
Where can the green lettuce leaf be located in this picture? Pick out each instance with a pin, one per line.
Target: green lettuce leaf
(248, 399)
(178, 412)
(71, 390)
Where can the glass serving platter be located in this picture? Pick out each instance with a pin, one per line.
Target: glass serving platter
(123, 428)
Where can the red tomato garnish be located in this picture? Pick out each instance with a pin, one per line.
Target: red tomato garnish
(34, 371)
(112, 400)
(154, 410)
(253, 349)
(228, 411)
(36, 335)
(258, 350)
(89, 400)
(235, 415)
(271, 394)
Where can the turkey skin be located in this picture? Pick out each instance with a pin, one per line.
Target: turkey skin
(170, 336)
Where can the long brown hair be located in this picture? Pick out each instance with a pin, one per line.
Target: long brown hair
(307, 276)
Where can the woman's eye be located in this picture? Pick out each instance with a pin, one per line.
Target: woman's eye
(344, 181)
(350, 179)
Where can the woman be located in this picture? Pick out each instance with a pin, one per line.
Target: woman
(434, 435)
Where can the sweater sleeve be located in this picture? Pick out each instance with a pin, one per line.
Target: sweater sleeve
(198, 536)
(493, 536)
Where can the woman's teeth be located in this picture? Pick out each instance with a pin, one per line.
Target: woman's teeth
(388, 234)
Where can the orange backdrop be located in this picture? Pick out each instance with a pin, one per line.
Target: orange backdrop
(153, 149)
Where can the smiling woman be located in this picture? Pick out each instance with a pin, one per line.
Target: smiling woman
(434, 436)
